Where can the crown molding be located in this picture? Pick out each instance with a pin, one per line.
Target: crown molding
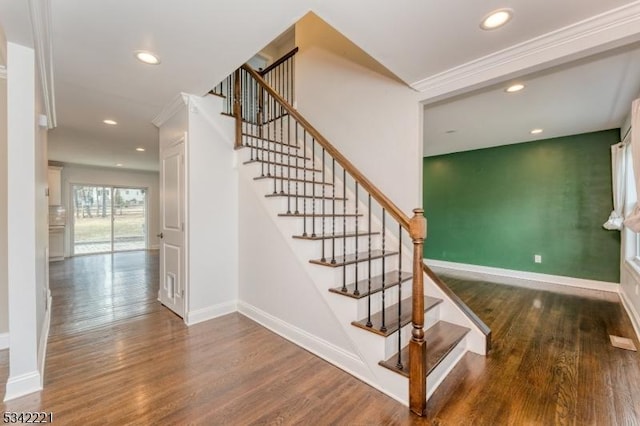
(614, 28)
(170, 109)
(40, 11)
(3, 72)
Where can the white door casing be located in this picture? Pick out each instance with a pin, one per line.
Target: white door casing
(172, 242)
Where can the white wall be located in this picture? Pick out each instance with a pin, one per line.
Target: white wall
(25, 197)
(362, 109)
(80, 174)
(4, 314)
(212, 191)
(272, 278)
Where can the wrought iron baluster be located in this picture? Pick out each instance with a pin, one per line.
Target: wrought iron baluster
(313, 187)
(369, 324)
(333, 211)
(383, 328)
(324, 258)
(399, 365)
(356, 291)
(344, 232)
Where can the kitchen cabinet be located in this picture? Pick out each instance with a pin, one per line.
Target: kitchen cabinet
(55, 185)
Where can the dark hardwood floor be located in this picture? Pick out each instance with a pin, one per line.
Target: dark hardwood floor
(116, 356)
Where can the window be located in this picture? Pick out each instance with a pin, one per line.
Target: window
(630, 239)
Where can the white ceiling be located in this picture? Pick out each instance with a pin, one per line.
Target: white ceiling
(201, 41)
(584, 96)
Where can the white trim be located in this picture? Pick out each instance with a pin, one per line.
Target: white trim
(210, 312)
(613, 28)
(44, 338)
(345, 360)
(170, 109)
(40, 11)
(631, 311)
(519, 277)
(4, 341)
(23, 385)
(3, 72)
(442, 370)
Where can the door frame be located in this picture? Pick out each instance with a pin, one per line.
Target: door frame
(71, 215)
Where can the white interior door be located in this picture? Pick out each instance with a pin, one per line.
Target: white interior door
(172, 241)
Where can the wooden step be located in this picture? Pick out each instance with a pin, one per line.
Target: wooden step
(271, 151)
(334, 236)
(391, 316)
(441, 338)
(351, 258)
(292, 166)
(310, 196)
(262, 138)
(293, 180)
(391, 279)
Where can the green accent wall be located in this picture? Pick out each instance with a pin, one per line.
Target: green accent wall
(500, 206)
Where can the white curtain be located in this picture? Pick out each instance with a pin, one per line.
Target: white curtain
(633, 219)
(618, 179)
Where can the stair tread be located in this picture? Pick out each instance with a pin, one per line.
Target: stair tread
(293, 180)
(336, 235)
(391, 279)
(286, 154)
(272, 163)
(285, 194)
(319, 214)
(351, 258)
(262, 138)
(391, 316)
(441, 338)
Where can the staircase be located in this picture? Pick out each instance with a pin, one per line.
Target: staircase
(362, 250)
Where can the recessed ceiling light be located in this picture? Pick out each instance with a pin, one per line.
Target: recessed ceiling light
(110, 122)
(140, 149)
(119, 165)
(514, 88)
(147, 57)
(496, 19)
(536, 131)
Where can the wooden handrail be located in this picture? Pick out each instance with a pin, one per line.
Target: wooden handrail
(463, 306)
(366, 184)
(278, 62)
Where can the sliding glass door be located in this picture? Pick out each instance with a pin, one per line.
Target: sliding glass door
(129, 219)
(108, 219)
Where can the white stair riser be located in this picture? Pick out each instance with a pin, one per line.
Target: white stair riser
(391, 342)
(349, 272)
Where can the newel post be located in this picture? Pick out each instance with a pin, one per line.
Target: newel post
(417, 345)
(237, 107)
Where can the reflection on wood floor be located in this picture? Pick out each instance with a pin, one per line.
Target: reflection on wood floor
(116, 356)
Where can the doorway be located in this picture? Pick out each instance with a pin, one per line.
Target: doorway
(108, 219)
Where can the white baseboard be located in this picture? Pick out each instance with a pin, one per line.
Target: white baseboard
(23, 385)
(210, 312)
(631, 311)
(4, 341)
(517, 277)
(331, 353)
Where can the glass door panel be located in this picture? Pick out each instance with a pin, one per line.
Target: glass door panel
(129, 219)
(91, 219)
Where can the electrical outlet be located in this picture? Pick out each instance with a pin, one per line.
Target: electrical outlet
(537, 258)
